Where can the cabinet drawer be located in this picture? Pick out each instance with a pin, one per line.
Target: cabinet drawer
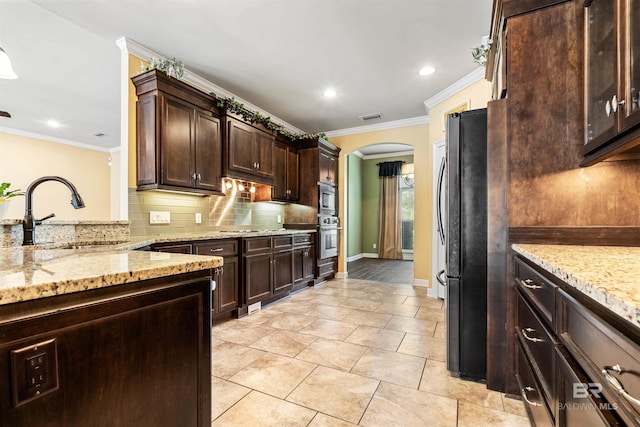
(539, 290)
(302, 239)
(539, 344)
(282, 242)
(216, 247)
(598, 346)
(530, 391)
(176, 248)
(253, 245)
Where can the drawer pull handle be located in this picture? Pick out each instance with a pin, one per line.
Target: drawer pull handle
(527, 283)
(526, 399)
(216, 250)
(617, 384)
(533, 339)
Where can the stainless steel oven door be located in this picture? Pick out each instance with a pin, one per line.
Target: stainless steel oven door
(329, 242)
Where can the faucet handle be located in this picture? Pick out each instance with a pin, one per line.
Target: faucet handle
(39, 221)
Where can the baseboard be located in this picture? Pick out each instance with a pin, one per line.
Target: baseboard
(342, 274)
(369, 255)
(421, 282)
(355, 257)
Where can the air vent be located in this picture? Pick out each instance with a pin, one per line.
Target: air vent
(368, 117)
(4, 114)
(98, 134)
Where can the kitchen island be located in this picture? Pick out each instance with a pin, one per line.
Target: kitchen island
(100, 336)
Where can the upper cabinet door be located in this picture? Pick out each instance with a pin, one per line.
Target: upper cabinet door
(240, 147)
(208, 152)
(263, 153)
(631, 62)
(600, 79)
(176, 143)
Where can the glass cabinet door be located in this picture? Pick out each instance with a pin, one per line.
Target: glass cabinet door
(632, 16)
(600, 68)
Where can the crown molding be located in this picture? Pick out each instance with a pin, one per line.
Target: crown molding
(49, 138)
(134, 48)
(466, 81)
(358, 154)
(386, 155)
(379, 126)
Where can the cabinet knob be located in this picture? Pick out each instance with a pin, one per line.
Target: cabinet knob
(524, 391)
(532, 339)
(527, 283)
(216, 250)
(199, 177)
(194, 176)
(616, 383)
(607, 108)
(615, 103)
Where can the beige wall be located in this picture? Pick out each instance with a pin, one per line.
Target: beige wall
(422, 138)
(26, 159)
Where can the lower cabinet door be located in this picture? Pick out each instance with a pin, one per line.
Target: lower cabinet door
(227, 290)
(282, 271)
(258, 276)
(539, 413)
(580, 402)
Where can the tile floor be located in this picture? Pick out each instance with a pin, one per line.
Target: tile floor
(381, 270)
(347, 352)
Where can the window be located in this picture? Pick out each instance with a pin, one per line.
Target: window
(406, 215)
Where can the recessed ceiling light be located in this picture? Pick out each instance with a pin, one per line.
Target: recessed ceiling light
(53, 123)
(426, 71)
(329, 93)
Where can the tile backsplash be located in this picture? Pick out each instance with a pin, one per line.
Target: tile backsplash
(236, 210)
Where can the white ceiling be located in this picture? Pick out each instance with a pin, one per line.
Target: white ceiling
(277, 54)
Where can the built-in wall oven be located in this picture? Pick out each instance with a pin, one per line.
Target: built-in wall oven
(329, 234)
(327, 203)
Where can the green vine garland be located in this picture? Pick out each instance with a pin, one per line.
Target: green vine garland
(255, 117)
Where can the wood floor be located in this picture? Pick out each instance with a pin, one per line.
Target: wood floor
(381, 270)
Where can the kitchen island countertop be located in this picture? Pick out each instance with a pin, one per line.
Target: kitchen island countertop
(610, 275)
(28, 273)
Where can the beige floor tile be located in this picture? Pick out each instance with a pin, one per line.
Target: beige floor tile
(293, 306)
(425, 301)
(401, 406)
(386, 297)
(411, 291)
(424, 346)
(228, 358)
(330, 312)
(335, 393)
(331, 329)
(274, 374)
(328, 300)
(243, 334)
(474, 416)
(259, 409)
(259, 317)
(360, 304)
(398, 309)
(290, 321)
(322, 420)
(411, 325)
(514, 406)
(441, 330)
(368, 318)
(286, 343)
(430, 314)
(437, 380)
(396, 368)
(332, 354)
(376, 337)
(224, 395)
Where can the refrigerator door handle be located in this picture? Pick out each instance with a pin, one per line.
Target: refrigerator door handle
(439, 198)
(440, 278)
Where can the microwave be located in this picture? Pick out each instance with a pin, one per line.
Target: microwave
(327, 203)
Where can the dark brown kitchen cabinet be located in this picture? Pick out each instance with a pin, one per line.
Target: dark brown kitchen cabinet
(612, 79)
(319, 163)
(328, 167)
(304, 260)
(175, 248)
(249, 152)
(268, 267)
(285, 187)
(575, 360)
(226, 294)
(179, 136)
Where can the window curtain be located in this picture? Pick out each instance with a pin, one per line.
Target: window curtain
(390, 237)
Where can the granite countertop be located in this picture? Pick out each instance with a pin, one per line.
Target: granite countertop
(609, 275)
(28, 273)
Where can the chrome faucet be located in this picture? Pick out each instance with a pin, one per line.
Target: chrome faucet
(29, 223)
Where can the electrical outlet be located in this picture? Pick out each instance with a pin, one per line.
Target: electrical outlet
(375, 246)
(279, 219)
(159, 217)
(198, 218)
(34, 371)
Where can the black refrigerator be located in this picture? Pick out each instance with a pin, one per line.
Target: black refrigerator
(465, 231)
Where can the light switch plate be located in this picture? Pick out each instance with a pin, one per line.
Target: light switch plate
(159, 217)
(198, 218)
